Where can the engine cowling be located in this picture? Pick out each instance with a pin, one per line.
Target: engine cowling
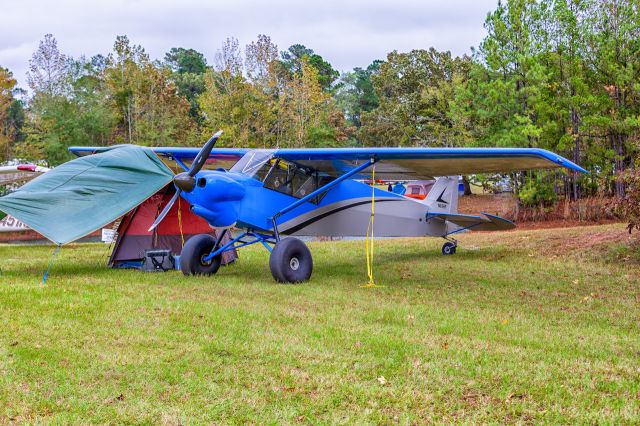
(216, 197)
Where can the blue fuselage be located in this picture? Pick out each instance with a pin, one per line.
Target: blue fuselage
(226, 199)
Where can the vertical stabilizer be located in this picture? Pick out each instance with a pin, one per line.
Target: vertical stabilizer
(443, 197)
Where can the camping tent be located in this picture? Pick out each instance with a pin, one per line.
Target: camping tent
(133, 236)
(83, 195)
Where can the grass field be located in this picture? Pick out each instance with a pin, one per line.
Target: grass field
(524, 326)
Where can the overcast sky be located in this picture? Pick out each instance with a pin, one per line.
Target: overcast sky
(346, 33)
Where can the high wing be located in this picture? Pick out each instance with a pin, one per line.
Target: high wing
(426, 163)
(391, 163)
(219, 157)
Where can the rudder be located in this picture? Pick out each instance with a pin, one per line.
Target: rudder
(443, 196)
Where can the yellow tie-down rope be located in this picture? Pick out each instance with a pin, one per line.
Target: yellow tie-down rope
(180, 221)
(369, 237)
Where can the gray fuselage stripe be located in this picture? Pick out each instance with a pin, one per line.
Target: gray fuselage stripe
(307, 222)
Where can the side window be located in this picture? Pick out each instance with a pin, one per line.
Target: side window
(290, 179)
(320, 182)
(304, 184)
(278, 175)
(278, 180)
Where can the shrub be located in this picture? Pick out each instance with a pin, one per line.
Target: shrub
(627, 207)
(537, 192)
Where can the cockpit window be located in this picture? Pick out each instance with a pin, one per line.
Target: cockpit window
(291, 179)
(252, 161)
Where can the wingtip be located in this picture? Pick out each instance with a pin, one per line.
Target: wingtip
(581, 170)
(570, 165)
(574, 166)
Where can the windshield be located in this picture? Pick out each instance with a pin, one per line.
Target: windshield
(252, 161)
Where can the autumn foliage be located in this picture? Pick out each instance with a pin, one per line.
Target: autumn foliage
(627, 207)
(560, 75)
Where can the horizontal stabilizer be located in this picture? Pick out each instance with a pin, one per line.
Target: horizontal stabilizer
(486, 222)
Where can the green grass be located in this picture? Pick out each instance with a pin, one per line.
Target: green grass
(513, 328)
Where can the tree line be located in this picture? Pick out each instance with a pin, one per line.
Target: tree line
(562, 75)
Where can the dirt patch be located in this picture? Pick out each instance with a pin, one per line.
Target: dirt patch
(499, 204)
(589, 242)
(548, 224)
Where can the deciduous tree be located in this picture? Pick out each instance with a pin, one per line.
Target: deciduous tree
(145, 99)
(414, 90)
(48, 69)
(7, 83)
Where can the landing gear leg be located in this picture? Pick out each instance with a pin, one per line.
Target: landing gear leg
(449, 247)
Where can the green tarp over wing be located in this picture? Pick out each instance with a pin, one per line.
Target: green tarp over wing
(87, 193)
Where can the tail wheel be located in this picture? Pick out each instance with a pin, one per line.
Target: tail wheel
(290, 261)
(192, 257)
(449, 248)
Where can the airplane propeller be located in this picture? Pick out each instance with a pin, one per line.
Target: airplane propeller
(186, 181)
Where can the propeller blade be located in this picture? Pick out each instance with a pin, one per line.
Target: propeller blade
(181, 180)
(165, 210)
(202, 156)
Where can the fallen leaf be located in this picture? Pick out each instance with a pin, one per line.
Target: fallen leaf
(514, 396)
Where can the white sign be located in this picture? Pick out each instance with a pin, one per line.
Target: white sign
(11, 224)
(108, 235)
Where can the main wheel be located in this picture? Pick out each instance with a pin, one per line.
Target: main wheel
(193, 252)
(290, 261)
(449, 248)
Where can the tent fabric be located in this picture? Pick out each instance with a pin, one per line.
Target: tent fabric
(133, 236)
(87, 193)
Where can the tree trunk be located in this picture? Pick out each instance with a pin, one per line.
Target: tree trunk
(619, 163)
(575, 129)
(129, 119)
(466, 185)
